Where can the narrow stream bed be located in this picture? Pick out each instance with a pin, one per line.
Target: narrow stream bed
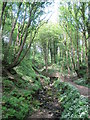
(49, 105)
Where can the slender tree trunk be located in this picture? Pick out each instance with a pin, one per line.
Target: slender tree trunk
(13, 26)
(46, 62)
(21, 31)
(51, 52)
(56, 53)
(54, 50)
(3, 9)
(59, 55)
(72, 56)
(78, 64)
(82, 53)
(11, 33)
(77, 40)
(17, 61)
(88, 80)
(72, 52)
(24, 40)
(88, 28)
(86, 56)
(84, 35)
(45, 50)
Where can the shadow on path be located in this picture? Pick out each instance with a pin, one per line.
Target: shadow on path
(49, 107)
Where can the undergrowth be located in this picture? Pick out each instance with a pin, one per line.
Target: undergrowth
(74, 105)
(82, 81)
(18, 94)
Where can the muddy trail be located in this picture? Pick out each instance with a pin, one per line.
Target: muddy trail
(85, 91)
(49, 105)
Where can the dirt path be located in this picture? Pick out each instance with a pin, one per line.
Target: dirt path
(82, 89)
(49, 107)
(85, 91)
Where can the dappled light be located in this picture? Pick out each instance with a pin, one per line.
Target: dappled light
(45, 60)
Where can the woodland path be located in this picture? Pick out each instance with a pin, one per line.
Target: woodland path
(85, 91)
(50, 106)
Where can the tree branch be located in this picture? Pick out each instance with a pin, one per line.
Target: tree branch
(13, 27)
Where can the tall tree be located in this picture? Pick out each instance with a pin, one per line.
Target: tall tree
(26, 24)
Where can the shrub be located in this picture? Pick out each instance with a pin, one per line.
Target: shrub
(18, 95)
(74, 105)
(82, 81)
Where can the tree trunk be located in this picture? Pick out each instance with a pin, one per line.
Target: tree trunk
(82, 53)
(88, 28)
(3, 9)
(22, 45)
(84, 35)
(78, 64)
(45, 50)
(54, 51)
(51, 52)
(13, 26)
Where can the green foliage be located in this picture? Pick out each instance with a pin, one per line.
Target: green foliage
(37, 59)
(15, 107)
(82, 81)
(22, 69)
(46, 79)
(18, 94)
(74, 105)
(19, 20)
(59, 47)
(17, 100)
(8, 85)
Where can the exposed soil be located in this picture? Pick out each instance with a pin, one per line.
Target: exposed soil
(50, 107)
(82, 89)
